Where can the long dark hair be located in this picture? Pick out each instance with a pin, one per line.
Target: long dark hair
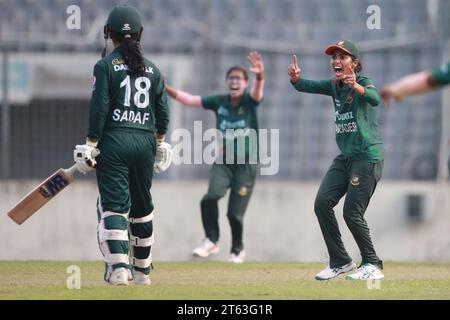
(359, 66)
(131, 49)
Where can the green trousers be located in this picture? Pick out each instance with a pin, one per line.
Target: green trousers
(124, 178)
(357, 180)
(240, 179)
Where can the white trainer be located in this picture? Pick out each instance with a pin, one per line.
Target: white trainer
(237, 258)
(206, 248)
(330, 273)
(367, 271)
(119, 277)
(141, 279)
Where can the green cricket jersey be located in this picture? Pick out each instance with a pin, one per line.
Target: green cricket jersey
(356, 117)
(123, 101)
(442, 74)
(236, 123)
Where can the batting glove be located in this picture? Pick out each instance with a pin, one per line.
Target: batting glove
(163, 157)
(84, 156)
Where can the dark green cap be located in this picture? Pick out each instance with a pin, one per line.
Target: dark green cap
(124, 19)
(346, 46)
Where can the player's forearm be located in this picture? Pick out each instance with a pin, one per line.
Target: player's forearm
(257, 92)
(184, 97)
(371, 96)
(313, 86)
(359, 89)
(413, 84)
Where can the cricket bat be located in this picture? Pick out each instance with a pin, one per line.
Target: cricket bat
(42, 194)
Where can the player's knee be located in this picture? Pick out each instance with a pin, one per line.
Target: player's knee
(141, 231)
(209, 200)
(235, 218)
(352, 218)
(322, 205)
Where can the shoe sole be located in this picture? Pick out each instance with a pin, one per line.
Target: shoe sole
(353, 279)
(196, 254)
(119, 284)
(347, 271)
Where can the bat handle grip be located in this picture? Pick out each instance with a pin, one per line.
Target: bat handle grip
(71, 171)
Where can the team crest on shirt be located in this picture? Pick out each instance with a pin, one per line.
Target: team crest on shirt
(349, 99)
(243, 191)
(241, 110)
(355, 181)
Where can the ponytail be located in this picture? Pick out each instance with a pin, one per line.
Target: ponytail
(130, 47)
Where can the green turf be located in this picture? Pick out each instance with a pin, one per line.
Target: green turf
(220, 280)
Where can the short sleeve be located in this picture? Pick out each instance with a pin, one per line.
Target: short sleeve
(210, 102)
(371, 94)
(250, 101)
(442, 74)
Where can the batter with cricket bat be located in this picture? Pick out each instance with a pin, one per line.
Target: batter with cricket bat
(128, 120)
(236, 120)
(357, 170)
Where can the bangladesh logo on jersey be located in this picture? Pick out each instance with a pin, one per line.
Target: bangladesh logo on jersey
(355, 181)
(349, 98)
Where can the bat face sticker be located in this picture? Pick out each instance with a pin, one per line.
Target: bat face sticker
(53, 186)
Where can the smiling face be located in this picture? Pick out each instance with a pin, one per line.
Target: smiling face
(237, 83)
(342, 61)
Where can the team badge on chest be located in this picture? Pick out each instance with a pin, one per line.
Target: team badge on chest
(349, 99)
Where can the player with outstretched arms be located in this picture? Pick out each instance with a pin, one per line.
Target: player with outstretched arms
(417, 83)
(235, 112)
(357, 170)
(128, 120)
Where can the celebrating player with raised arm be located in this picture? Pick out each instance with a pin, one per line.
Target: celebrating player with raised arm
(417, 83)
(234, 111)
(127, 123)
(357, 169)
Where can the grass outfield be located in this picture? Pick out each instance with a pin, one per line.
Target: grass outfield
(197, 280)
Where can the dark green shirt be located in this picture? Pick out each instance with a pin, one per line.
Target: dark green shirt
(236, 123)
(356, 117)
(442, 74)
(124, 101)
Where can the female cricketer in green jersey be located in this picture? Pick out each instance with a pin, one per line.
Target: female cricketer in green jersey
(418, 83)
(357, 169)
(235, 111)
(128, 120)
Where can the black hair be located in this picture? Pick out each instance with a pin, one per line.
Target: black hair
(238, 68)
(130, 47)
(359, 66)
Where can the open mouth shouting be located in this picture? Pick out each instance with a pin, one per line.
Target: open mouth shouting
(235, 89)
(338, 71)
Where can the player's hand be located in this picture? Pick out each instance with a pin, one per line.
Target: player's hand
(387, 94)
(256, 62)
(84, 157)
(163, 157)
(349, 77)
(294, 70)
